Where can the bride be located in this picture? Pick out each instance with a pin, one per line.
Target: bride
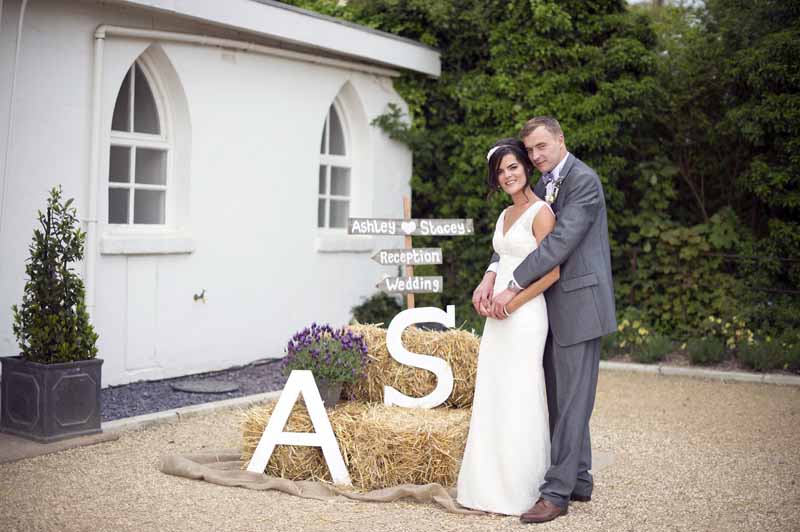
(508, 446)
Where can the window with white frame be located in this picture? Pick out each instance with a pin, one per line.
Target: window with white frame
(333, 206)
(139, 158)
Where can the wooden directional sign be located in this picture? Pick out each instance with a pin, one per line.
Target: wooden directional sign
(408, 257)
(413, 227)
(411, 285)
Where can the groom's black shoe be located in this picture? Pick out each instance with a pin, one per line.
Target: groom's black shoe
(580, 498)
(542, 512)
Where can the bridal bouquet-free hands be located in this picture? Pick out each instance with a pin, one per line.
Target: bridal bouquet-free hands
(333, 355)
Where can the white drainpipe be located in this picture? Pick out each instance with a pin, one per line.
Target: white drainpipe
(156, 35)
(10, 130)
(94, 173)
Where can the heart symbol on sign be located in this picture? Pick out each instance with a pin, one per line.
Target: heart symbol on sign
(408, 227)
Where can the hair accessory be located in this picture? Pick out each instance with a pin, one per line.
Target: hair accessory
(491, 152)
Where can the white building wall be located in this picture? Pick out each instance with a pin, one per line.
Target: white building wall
(252, 163)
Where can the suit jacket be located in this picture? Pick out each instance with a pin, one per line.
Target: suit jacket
(580, 306)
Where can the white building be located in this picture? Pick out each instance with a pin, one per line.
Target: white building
(213, 148)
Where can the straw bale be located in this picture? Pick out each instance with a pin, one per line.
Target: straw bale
(382, 446)
(458, 347)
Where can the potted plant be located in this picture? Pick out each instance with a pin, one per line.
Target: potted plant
(51, 390)
(334, 356)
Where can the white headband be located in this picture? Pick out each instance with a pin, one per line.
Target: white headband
(491, 152)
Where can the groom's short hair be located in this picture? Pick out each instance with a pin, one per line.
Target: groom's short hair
(549, 123)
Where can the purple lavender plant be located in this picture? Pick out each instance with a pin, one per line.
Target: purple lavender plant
(335, 355)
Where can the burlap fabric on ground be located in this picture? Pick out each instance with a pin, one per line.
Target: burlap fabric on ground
(225, 468)
(459, 348)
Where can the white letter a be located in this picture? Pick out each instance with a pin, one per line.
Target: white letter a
(300, 381)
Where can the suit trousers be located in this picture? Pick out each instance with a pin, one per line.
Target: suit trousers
(571, 380)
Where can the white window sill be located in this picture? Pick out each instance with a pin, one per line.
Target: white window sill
(156, 243)
(345, 244)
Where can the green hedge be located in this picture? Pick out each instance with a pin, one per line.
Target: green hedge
(689, 115)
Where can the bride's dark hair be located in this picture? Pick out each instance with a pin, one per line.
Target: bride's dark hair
(500, 149)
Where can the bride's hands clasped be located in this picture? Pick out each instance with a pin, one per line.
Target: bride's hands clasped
(499, 302)
(482, 296)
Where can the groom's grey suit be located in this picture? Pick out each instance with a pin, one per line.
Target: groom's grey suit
(580, 309)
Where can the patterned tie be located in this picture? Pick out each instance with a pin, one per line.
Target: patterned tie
(548, 177)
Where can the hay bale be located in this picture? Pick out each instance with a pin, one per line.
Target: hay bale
(293, 462)
(459, 348)
(382, 446)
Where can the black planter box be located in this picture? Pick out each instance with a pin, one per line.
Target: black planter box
(49, 402)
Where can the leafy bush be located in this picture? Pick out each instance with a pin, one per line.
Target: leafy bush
(707, 350)
(52, 324)
(335, 355)
(770, 354)
(792, 358)
(609, 346)
(589, 64)
(729, 135)
(654, 349)
(686, 110)
(676, 276)
(378, 308)
(631, 333)
(734, 331)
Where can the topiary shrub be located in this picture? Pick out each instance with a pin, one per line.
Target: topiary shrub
(705, 350)
(51, 324)
(654, 349)
(379, 308)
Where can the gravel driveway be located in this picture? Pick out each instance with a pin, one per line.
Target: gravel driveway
(689, 455)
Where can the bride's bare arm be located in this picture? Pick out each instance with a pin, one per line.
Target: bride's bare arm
(543, 223)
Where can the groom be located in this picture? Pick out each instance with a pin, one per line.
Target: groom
(580, 309)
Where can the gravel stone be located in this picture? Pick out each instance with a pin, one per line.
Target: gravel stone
(689, 455)
(144, 397)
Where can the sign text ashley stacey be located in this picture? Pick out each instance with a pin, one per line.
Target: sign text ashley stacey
(415, 227)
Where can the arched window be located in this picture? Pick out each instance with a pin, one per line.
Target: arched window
(333, 206)
(138, 173)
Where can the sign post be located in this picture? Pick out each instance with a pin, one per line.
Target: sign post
(408, 256)
(409, 268)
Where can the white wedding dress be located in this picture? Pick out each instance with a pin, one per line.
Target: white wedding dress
(508, 447)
